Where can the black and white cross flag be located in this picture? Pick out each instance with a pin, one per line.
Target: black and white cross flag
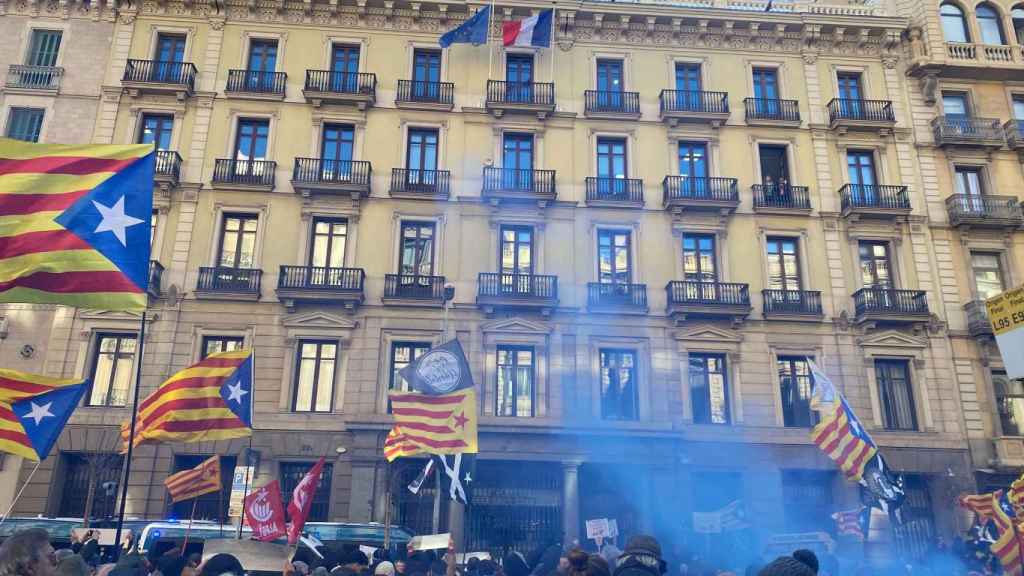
(457, 477)
(416, 484)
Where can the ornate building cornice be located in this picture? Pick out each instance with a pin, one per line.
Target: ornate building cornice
(820, 32)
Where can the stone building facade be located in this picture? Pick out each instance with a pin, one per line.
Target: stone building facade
(648, 227)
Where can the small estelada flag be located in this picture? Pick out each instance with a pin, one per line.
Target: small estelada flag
(193, 483)
(264, 512)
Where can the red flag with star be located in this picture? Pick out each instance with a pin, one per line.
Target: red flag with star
(424, 424)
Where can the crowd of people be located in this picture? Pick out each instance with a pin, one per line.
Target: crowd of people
(30, 553)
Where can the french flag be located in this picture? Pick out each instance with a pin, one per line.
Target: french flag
(533, 31)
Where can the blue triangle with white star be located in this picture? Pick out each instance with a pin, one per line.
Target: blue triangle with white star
(114, 218)
(43, 416)
(236, 391)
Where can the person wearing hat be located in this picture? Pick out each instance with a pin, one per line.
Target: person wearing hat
(642, 557)
(786, 566)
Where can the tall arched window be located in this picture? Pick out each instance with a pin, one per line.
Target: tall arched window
(954, 25)
(989, 25)
(1017, 14)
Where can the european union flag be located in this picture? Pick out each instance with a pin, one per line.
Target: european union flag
(472, 31)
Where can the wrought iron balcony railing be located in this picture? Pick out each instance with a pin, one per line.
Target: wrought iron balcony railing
(224, 279)
(414, 287)
(256, 81)
(687, 188)
(890, 302)
(781, 196)
(874, 196)
(34, 77)
(421, 182)
(695, 101)
(968, 130)
(708, 293)
(539, 182)
(982, 209)
(501, 92)
(328, 171)
(772, 109)
(340, 82)
(791, 302)
(416, 91)
(160, 72)
(611, 102)
(861, 110)
(615, 190)
(616, 295)
(321, 278)
(244, 172)
(517, 286)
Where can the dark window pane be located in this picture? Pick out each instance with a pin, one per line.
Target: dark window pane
(515, 386)
(897, 396)
(212, 506)
(112, 372)
(77, 480)
(618, 385)
(291, 475)
(709, 391)
(795, 387)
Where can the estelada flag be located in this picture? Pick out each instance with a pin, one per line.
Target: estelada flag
(302, 500)
(75, 224)
(210, 400)
(34, 410)
(200, 480)
(264, 512)
(432, 424)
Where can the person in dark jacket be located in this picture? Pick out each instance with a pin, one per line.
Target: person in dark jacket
(786, 566)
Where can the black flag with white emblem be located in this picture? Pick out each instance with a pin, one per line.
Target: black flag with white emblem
(440, 370)
(457, 476)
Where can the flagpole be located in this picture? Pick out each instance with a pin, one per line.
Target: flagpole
(554, 19)
(387, 507)
(189, 528)
(127, 467)
(248, 461)
(490, 46)
(20, 492)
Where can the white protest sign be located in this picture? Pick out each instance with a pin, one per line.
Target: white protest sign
(597, 528)
(1006, 313)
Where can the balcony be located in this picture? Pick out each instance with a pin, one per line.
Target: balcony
(334, 177)
(34, 78)
(255, 174)
(890, 306)
(694, 106)
(846, 114)
(781, 198)
(1014, 132)
(411, 289)
(714, 300)
(968, 131)
(422, 184)
(229, 283)
(318, 284)
(529, 97)
(978, 324)
(611, 105)
(417, 94)
(617, 297)
(258, 84)
(792, 304)
(681, 193)
(972, 61)
(615, 192)
(158, 77)
(167, 170)
(515, 185)
(517, 291)
(156, 273)
(332, 87)
(772, 112)
(984, 211)
(877, 201)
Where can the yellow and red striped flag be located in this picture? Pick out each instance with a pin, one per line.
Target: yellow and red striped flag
(842, 437)
(210, 400)
(425, 424)
(74, 224)
(202, 479)
(34, 410)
